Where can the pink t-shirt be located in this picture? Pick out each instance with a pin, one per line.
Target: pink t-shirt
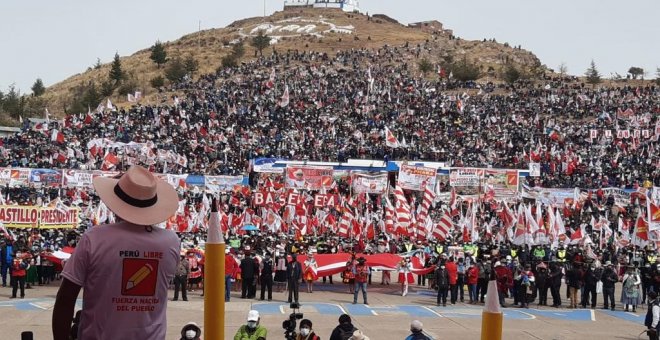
(124, 271)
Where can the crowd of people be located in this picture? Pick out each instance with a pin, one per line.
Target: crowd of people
(314, 106)
(317, 107)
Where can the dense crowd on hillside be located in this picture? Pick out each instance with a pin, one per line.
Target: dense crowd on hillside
(337, 108)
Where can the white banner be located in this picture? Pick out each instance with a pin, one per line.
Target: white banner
(417, 178)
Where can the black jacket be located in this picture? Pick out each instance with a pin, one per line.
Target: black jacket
(293, 271)
(345, 329)
(249, 268)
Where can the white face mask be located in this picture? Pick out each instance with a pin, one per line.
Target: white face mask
(304, 331)
(252, 324)
(190, 334)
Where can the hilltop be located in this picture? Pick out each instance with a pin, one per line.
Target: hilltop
(323, 30)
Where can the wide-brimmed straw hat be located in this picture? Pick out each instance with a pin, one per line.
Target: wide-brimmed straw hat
(138, 197)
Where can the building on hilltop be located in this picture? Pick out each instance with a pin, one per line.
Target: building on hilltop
(344, 5)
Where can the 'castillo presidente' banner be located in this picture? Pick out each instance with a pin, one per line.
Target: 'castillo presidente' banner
(12, 216)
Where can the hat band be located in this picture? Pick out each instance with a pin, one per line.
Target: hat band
(134, 201)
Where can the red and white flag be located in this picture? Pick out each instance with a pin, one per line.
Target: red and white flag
(285, 97)
(390, 139)
(57, 136)
(109, 161)
(443, 227)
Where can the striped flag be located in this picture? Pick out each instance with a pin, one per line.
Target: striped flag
(443, 227)
(346, 221)
(403, 211)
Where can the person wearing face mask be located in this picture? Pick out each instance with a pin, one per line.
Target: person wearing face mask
(442, 282)
(18, 269)
(191, 332)
(252, 330)
(306, 331)
(405, 275)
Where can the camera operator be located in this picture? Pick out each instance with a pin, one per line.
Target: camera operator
(252, 330)
(289, 325)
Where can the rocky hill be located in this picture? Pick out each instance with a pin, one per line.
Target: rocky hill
(325, 30)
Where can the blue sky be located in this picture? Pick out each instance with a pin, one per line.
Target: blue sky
(56, 39)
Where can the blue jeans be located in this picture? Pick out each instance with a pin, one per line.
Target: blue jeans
(3, 271)
(227, 287)
(472, 289)
(363, 286)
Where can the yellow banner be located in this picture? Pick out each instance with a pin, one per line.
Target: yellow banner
(12, 216)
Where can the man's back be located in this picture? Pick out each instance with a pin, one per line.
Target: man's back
(124, 271)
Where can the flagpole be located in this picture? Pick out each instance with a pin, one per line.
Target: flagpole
(214, 280)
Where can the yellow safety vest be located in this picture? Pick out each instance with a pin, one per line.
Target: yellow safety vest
(514, 253)
(651, 258)
(439, 249)
(408, 247)
(561, 254)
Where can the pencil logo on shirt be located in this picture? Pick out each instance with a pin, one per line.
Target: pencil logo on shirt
(139, 277)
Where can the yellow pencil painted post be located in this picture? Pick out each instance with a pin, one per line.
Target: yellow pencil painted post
(492, 316)
(214, 279)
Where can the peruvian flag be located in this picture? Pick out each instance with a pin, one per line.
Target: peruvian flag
(57, 136)
(390, 140)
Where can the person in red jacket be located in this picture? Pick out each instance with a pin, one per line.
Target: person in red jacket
(472, 280)
(18, 272)
(230, 271)
(452, 270)
(504, 280)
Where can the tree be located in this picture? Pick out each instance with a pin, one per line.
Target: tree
(116, 73)
(107, 88)
(657, 76)
(38, 88)
(14, 103)
(238, 50)
(636, 72)
(425, 66)
(229, 60)
(98, 64)
(592, 74)
(260, 42)
(191, 65)
(157, 82)
(158, 54)
(511, 73)
(563, 69)
(465, 70)
(175, 70)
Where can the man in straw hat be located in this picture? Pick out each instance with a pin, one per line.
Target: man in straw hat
(124, 267)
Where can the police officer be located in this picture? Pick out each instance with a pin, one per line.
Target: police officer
(266, 278)
(561, 254)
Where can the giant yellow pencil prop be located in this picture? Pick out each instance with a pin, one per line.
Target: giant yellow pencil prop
(491, 317)
(214, 279)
